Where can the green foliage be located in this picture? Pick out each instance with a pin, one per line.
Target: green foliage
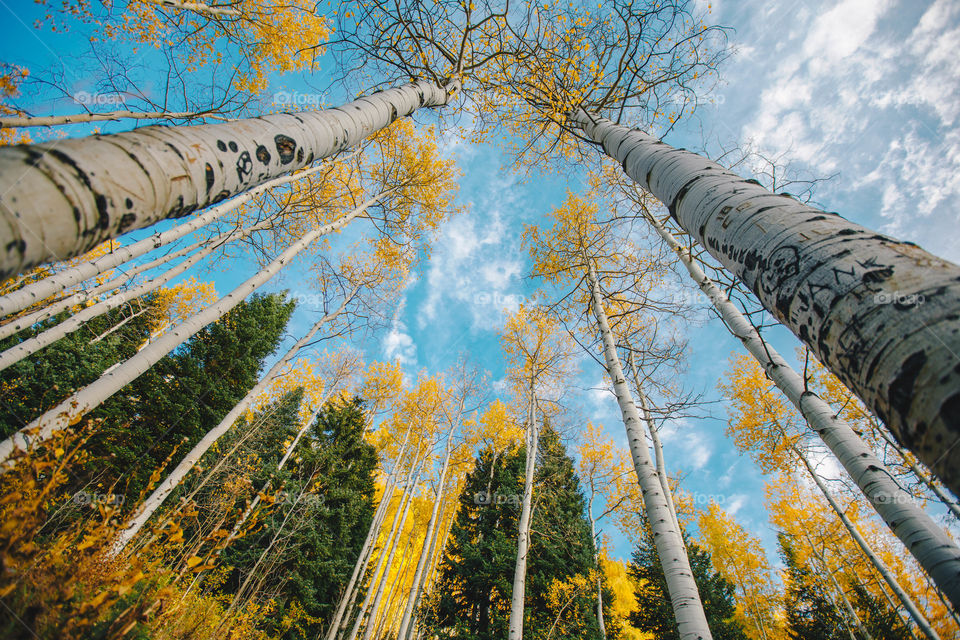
(654, 613)
(314, 532)
(168, 407)
(814, 615)
(471, 599)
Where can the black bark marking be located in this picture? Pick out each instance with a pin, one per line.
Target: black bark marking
(175, 150)
(393, 113)
(244, 165)
(208, 172)
(679, 197)
(877, 275)
(223, 195)
(104, 215)
(67, 160)
(76, 214)
(126, 220)
(221, 145)
(286, 147)
(233, 146)
(129, 203)
(300, 155)
(900, 392)
(783, 264)
(263, 155)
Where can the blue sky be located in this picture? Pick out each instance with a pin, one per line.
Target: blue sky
(865, 90)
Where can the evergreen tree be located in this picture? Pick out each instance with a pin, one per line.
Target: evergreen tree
(165, 409)
(471, 599)
(561, 551)
(813, 615)
(654, 613)
(327, 506)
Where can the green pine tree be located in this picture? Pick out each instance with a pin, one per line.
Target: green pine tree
(813, 615)
(326, 507)
(654, 613)
(471, 599)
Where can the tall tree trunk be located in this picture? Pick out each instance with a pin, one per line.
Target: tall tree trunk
(353, 586)
(66, 197)
(596, 555)
(517, 599)
(81, 297)
(378, 598)
(165, 488)
(882, 315)
(375, 577)
(37, 291)
(77, 405)
(922, 537)
(874, 559)
(684, 596)
(416, 585)
(28, 347)
(948, 501)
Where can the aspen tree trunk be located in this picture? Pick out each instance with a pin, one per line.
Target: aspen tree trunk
(682, 588)
(381, 562)
(81, 297)
(875, 560)
(596, 555)
(843, 595)
(433, 559)
(949, 502)
(77, 405)
(526, 515)
(375, 607)
(19, 122)
(37, 291)
(922, 537)
(28, 347)
(414, 594)
(385, 621)
(195, 7)
(63, 198)
(349, 593)
(882, 315)
(165, 488)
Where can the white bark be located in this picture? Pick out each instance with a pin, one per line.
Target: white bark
(378, 598)
(30, 346)
(526, 515)
(926, 541)
(346, 600)
(61, 199)
(77, 405)
(875, 560)
(37, 291)
(596, 556)
(684, 596)
(381, 562)
(195, 7)
(80, 297)
(417, 584)
(165, 488)
(12, 122)
(882, 315)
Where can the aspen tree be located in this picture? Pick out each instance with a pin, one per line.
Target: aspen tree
(927, 542)
(540, 357)
(180, 174)
(572, 253)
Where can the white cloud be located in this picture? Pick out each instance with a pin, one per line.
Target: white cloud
(397, 344)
